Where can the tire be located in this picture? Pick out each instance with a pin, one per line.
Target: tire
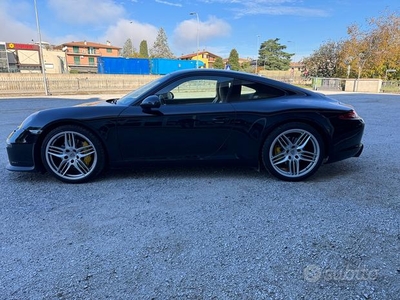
(72, 154)
(293, 152)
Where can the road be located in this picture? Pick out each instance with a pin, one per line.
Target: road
(206, 232)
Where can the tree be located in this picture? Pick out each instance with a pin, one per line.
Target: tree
(246, 67)
(374, 50)
(272, 56)
(128, 50)
(218, 63)
(160, 47)
(143, 51)
(324, 62)
(233, 60)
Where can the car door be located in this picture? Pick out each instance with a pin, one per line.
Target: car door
(190, 124)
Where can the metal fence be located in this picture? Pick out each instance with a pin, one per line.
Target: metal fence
(328, 84)
(391, 87)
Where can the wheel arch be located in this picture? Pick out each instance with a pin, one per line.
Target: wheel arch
(46, 130)
(324, 133)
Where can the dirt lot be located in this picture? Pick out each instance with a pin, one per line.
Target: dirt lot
(206, 232)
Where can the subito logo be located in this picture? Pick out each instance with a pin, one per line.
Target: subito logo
(312, 273)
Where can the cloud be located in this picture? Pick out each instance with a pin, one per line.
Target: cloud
(87, 11)
(186, 32)
(13, 28)
(169, 3)
(118, 34)
(270, 7)
(254, 9)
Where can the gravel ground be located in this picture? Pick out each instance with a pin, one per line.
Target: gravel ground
(206, 232)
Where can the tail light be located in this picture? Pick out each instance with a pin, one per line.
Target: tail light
(350, 115)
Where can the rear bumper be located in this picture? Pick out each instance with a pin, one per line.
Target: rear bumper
(359, 151)
(347, 144)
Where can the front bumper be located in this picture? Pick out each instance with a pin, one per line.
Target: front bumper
(21, 151)
(20, 157)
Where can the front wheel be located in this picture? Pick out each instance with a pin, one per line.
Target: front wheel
(72, 154)
(293, 152)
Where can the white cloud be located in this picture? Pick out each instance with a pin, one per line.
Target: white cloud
(118, 34)
(87, 11)
(271, 7)
(13, 28)
(185, 34)
(256, 9)
(169, 3)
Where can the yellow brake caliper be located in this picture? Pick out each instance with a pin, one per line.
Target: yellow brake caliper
(88, 159)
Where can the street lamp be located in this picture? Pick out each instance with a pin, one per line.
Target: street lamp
(198, 24)
(41, 50)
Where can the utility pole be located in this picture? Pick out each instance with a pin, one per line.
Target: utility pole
(46, 90)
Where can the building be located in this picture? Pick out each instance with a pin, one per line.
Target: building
(241, 61)
(16, 57)
(4, 67)
(25, 58)
(206, 57)
(81, 57)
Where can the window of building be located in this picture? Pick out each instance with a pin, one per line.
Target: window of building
(75, 49)
(91, 61)
(77, 60)
(91, 50)
(109, 50)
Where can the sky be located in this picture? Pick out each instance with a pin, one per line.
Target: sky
(218, 25)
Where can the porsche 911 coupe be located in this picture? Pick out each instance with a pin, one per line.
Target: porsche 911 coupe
(191, 115)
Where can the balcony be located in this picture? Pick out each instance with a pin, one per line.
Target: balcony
(84, 52)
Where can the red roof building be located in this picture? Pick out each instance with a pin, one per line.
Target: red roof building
(82, 57)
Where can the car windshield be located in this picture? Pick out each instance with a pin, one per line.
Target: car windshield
(132, 96)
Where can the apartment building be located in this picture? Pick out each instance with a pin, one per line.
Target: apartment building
(81, 57)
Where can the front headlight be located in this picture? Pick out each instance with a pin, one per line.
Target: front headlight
(13, 132)
(25, 133)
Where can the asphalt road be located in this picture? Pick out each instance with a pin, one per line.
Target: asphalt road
(206, 232)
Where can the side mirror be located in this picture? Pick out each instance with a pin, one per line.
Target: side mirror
(150, 102)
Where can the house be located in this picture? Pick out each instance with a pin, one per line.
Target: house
(81, 57)
(206, 57)
(297, 65)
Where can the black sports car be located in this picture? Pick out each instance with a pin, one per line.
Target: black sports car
(191, 115)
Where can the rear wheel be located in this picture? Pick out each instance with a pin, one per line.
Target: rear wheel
(293, 151)
(72, 154)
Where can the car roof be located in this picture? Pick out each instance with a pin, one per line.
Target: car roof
(243, 76)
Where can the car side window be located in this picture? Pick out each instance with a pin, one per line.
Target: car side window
(248, 91)
(196, 90)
